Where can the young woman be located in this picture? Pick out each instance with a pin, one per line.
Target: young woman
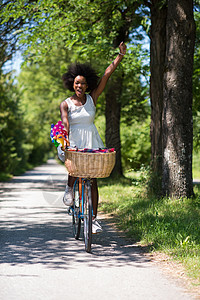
(78, 113)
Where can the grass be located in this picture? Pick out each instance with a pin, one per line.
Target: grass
(168, 225)
(5, 176)
(196, 165)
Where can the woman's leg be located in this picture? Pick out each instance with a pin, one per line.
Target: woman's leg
(95, 196)
(96, 227)
(71, 181)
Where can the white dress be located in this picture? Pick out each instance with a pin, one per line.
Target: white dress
(82, 131)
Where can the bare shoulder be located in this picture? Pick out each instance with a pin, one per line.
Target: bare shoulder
(63, 105)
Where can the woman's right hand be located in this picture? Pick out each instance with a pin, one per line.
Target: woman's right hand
(122, 48)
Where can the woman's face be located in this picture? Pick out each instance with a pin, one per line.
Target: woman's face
(80, 86)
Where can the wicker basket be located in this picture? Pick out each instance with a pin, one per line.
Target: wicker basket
(89, 165)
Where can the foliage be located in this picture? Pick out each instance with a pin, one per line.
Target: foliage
(136, 146)
(92, 29)
(8, 35)
(168, 225)
(11, 127)
(92, 23)
(135, 142)
(135, 95)
(41, 93)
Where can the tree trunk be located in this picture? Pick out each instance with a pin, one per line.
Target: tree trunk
(177, 105)
(157, 59)
(113, 111)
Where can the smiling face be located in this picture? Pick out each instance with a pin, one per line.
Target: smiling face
(80, 86)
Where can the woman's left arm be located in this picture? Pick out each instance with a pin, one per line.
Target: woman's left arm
(102, 84)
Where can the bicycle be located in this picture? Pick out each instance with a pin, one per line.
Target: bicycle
(82, 210)
(85, 166)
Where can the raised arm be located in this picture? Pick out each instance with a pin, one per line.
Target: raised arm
(102, 84)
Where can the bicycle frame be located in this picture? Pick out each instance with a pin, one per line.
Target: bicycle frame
(81, 182)
(82, 210)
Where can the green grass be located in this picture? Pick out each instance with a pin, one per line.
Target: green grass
(196, 165)
(5, 176)
(171, 226)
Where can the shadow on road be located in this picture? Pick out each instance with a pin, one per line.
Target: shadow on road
(35, 230)
(51, 243)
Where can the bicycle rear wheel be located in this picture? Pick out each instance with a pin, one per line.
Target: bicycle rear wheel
(87, 216)
(76, 221)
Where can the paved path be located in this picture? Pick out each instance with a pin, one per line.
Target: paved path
(41, 260)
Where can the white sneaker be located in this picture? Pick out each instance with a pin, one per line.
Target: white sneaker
(96, 227)
(68, 196)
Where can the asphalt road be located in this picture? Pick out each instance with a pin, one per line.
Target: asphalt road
(40, 259)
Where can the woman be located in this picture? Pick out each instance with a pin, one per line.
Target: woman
(78, 113)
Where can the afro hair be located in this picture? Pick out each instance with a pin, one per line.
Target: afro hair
(84, 70)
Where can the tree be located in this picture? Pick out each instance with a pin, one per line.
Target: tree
(196, 83)
(171, 159)
(12, 156)
(157, 65)
(177, 104)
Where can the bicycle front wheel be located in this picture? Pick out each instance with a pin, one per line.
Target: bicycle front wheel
(87, 216)
(76, 220)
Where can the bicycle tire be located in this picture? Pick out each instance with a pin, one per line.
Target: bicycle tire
(76, 221)
(87, 216)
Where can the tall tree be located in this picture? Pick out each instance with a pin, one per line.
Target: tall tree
(157, 64)
(172, 50)
(177, 104)
(196, 82)
(12, 157)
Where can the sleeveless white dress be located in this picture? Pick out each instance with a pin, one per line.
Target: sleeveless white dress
(82, 131)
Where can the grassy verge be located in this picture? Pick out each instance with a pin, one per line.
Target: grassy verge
(5, 176)
(170, 226)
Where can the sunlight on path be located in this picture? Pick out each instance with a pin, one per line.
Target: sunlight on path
(40, 259)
